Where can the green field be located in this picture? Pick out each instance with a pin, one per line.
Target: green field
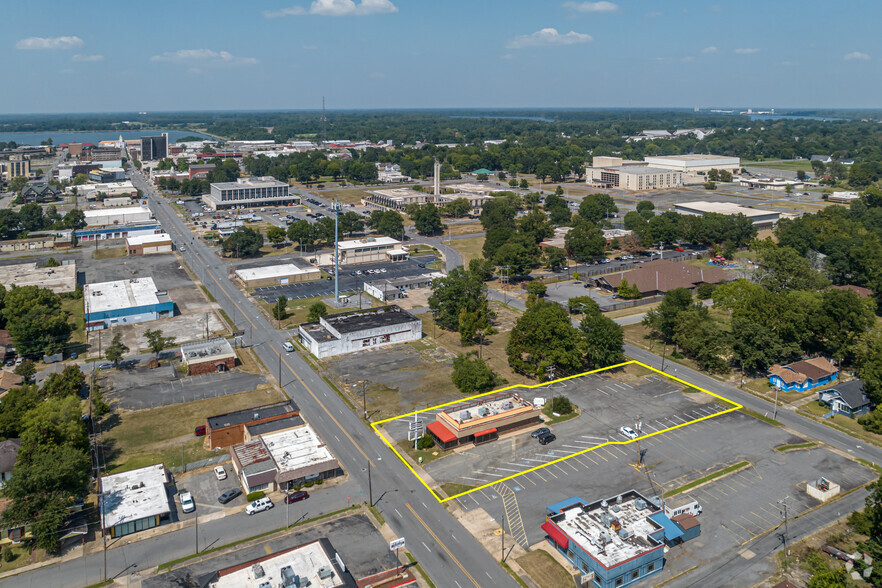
(802, 164)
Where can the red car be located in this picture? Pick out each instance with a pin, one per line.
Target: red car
(678, 249)
(199, 431)
(296, 496)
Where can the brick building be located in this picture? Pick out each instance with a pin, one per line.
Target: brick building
(202, 357)
(229, 429)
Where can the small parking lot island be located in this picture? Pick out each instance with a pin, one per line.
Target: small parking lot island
(124, 302)
(356, 330)
(482, 420)
(135, 500)
(276, 275)
(202, 357)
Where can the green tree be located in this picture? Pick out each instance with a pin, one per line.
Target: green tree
(426, 218)
(604, 339)
(244, 242)
(646, 209)
(302, 232)
(482, 268)
(116, 350)
(26, 369)
(16, 403)
(555, 258)
(843, 318)
(275, 235)
(634, 221)
(558, 209)
(524, 185)
(628, 291)
(543, 338)
(80, 179)
(582, 305)
(458, 207)
(350, 222)
(664, 318)
(316, 311)
(537, 288)
(783, 268)
(585, 241)
(69, 382)
(595, 207)
(472, 375)
(702, 339)
(156, 341)
(755, 346)
(516, 257)
(386, 222)
(868, 360)
(18, 183)
(819, 168)
(35, 320)
(280, 308)
(710, 186)
(51, 262)
(475, 325)
(460, 290)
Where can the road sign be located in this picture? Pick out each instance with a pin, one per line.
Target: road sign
(396, 544)
(238, 333)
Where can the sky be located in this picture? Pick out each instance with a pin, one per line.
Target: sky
(102, 56)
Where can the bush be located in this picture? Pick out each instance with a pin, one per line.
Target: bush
(561, 405)
(425, 442)
(705, 291)
(537, 288)
(8, 556)
(319, 482)
(309, 484)
(577, 276)
(252, 496)
(677, 355)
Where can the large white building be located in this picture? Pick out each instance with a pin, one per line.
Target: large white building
(760, 218)
(276, 275)
(371, 249)
(695, 166)
(250, 193)
(124, 302)
(134, 500)
(634, 177)
(117, 215)
(356, 330)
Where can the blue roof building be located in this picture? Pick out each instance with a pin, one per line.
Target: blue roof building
(124, 302)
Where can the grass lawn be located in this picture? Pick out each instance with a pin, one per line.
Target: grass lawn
(802, 164)
(76, 317)
(553, 420)
(110, 252)
(795, 446)
(427, 454)
(761, 387)
(299, 309)
(344, 196)
(452, 489)
(544, 570)
(469, 248)
(838, 421)
(462, 229)
(144, 437)
(704, 479)
(21, 557)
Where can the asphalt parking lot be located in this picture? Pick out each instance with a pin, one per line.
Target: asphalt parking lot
(141, 387)
(205, 488)
(348, 283)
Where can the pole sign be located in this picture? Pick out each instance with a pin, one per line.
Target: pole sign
(396, 544)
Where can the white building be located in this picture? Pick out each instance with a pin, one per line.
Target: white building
(147, 244)
(356, 330)
(776, 184)
(387, 289)
(695, 166)
(250, 193)
(117, 215)
(276, 275)
(396, 198)
(90, 191)
(844, 197)
(135, 500)
(124, 302)
(634, 177)
(761, 218)
(371, 249)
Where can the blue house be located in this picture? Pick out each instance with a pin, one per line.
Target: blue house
(803, 375)
(847, 398)
(615, 542)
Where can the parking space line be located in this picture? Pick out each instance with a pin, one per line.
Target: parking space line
(503, 469)
(734, 522)
(620, 450)
(775, 515)
(589, 458)
(539, 476)
(548, 470)
(579, 461)
(474, 479)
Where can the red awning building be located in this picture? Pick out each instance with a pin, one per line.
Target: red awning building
(482, 420)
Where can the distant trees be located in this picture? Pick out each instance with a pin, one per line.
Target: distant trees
(387, 222)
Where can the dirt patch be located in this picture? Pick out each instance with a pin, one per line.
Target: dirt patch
(544, 570)
(456, 229)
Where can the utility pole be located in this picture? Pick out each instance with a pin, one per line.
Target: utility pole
(783, 503)
(502, 535)
(197, 533)
(775, 411)
(336, 247)
(364, 397)
(664, 348)
(370, 486)
(280, 370)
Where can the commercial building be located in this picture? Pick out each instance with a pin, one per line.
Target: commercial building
(776, 184)
(843, 197)
(133, 501)
(482, 420)
(695, 166)
(315, 564)
(59, 279)
(149, 244)
(123, 302)
(614, 543)
(199, 170)
(848, 398)
(249, 193)
(108, 174)
(275, 275)
(282, 459)
(40, 192)
(108, 189)
(17, 165)
(12, 245)
(388, 289)
(396, 198)
(634, 177)
(660, 276)
(225, 430)
(371, 249)
(357, 330)
(202, 357)
(117, 216)
(118, 231)
(803, 375)
(154, 148)
(117, 202)
(760, 218)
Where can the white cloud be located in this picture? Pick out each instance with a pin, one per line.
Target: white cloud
(687, 59)
(592, 6)
(653, 14)
(79, 57)
(857, 56)
(203, 57)
(548, 37)
(708, 50)
(44, 43)
(747, 51)
(310, 48)
(337, 8)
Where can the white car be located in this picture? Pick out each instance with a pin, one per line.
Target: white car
(220, 472)
(628, 432)
(187, 504)
(259, 505)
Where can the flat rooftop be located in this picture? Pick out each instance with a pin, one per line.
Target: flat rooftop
(475, 188)
(692, 157)
(273, 426)
(273, 271)
(367, 242)
(360, 320)
(311, 562)
(300, 447)
(401, 193)
(705, 206)
(240, 417)
(147, 239)
(134, 495)
(202, 351)
(485, 410)
(405, 281)
(242, 183)
(131, 293)
(638, 169)
(115, 211)
(62, 278)
(596, 529)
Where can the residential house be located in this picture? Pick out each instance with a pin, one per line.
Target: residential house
(846, 398)
(12, 534)
(803, 375)
(40, 193)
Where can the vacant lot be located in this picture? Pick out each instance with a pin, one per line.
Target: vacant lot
(802, 164)
(139, 438)
(344, 196)
(469, 248)
(543, 570)
(455, 229)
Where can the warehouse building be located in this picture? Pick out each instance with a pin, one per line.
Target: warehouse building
(202, 357)
(482, 420)
(371, 249)
(124, 302)
(225, 430)
(135, 500)
(110, 189)
(695, 166)
(357, 330)
(249, 193)
(276, 275)
(59, 279)
(762, 219)
(388, 289)
(117, 216)
(149, 244)
(119, 231)
(634, 177)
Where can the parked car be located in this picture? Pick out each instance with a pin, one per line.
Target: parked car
(539, 432)
(296, 496)
(678, 249)
(220, 472)
(628, 432)
(547, 438)
(229, 495)
(199, 431)
(259, 505)
(187, 504)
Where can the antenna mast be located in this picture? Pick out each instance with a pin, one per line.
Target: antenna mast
(324, 121)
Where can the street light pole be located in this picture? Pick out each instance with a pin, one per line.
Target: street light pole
(370, 486)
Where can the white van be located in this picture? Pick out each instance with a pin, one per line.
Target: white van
(288, 347)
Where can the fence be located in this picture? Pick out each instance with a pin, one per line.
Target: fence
(217, 459)
(631, 303)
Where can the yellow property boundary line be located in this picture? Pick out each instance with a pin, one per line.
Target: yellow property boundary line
(374, 425)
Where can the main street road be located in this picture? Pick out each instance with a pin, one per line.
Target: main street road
(449, 554)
